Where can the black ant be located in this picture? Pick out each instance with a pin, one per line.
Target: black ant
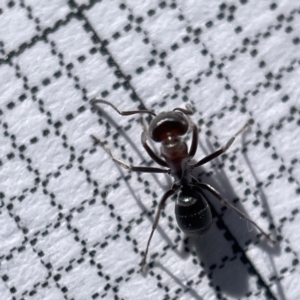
(192, 211)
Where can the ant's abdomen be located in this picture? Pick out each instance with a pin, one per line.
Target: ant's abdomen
(193, 213)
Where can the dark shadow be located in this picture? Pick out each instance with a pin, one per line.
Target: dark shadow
(221, 255)
(265, 205)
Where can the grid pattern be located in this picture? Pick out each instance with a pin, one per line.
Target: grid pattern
(73, 224)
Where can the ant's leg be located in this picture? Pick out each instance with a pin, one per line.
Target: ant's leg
(160, 207)
(226, 203)
(126, 166)
(220, 151)
(122, 113)
(194, 144)
(150, 152)
(187, 111)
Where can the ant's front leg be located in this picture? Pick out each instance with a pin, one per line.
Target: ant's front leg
(195, 139)
(220, 151)
(150, 152)
(129, 167)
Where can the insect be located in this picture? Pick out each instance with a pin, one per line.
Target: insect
(192, 211)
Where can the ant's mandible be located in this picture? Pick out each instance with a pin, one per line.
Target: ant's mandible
(192, 211)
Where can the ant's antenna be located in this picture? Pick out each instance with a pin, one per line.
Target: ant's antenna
(122, 113)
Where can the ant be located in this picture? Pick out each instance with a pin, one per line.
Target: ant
(192, 211)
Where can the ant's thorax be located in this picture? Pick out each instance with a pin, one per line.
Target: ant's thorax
(175, 152)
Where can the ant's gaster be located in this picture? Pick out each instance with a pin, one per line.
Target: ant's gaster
(192, 211)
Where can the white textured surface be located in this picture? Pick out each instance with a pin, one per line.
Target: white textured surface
(72, 223)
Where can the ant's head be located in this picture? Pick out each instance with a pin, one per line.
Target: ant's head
(166, 124)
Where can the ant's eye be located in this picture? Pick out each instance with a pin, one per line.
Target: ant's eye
(168, 123)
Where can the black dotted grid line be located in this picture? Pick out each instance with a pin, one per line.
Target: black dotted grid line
(240, 253)
(287, 170)
(46, 232)
(25, 231)
(295, 261)
(160, 55)
(155, 255)
(283, 169)
(294, 211)
(64, 144)
(231, 9)
(44, 183)
(269, 75)
(47, 80)
(281, 17)
(105, 93)
(187, 39)
(247, 42)
(57, 277)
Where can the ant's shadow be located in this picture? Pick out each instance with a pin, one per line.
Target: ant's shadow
(220, 253)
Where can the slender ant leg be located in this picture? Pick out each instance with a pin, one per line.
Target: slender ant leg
(195, 139)
(150, 152)
(187, 111)
(226, 203)
(161, 205)
(220, 151)
(126, 166)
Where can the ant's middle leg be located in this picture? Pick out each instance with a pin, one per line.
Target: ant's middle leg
(126, 166)
(220, 151)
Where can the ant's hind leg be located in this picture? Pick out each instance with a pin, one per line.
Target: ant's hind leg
(220, 151)
(126, 166)
(161, 205)
(226, 203)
